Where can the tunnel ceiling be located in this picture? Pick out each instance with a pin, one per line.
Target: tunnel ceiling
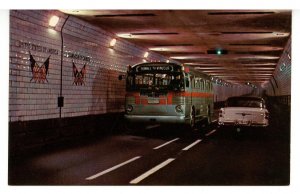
(252, 40)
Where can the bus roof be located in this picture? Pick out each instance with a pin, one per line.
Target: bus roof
(188, 69)
(195, 72)
(158, 63)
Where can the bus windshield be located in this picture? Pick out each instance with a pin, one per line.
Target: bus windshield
(158, 81)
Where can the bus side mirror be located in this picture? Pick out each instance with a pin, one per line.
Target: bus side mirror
(120, 77)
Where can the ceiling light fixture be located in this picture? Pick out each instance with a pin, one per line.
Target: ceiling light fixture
(112, 42)
(125, 35)
(146, 54)
(53, 21)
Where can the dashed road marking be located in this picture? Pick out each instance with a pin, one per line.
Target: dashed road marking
(112, 168)
(151, 171)
(193, 144)
(152, 126)
(165, 144)
(211, 132)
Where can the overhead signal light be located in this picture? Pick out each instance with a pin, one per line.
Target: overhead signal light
(217, 51)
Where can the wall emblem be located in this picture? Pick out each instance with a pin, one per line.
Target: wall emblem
(39, 73)
(79, 75)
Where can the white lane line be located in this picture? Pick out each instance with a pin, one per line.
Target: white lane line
(151, 171)
(152, 126)
(112, 168)
(211, 132)
(193, 144)
(165, 144)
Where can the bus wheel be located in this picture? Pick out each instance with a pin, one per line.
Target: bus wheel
(192, 118)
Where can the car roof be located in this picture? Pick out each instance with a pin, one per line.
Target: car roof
(245, 98)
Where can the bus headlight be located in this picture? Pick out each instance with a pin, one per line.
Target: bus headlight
(129, 108)
(178, 108)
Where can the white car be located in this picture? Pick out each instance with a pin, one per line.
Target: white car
(244, 111)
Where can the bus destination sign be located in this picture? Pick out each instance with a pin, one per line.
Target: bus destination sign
(155, 68)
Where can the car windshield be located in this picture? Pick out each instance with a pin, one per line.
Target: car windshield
(159, 81)
(244, 102)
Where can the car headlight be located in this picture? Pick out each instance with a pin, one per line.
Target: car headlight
(129, 108)
(178, 108)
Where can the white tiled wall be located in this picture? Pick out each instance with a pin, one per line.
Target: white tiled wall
(282, 75)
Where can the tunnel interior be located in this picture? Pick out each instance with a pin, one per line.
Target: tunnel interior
(63, 80)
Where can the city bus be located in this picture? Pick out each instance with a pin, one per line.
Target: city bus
(167, 93)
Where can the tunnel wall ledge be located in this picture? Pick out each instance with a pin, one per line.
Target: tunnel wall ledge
(28, 137)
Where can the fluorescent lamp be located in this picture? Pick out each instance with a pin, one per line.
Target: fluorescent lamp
(113, 42)
(146, 54)
(53, 21)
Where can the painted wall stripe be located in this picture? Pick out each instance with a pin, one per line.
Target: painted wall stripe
(164, 100)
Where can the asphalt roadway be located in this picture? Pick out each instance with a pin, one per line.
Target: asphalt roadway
(166, 156)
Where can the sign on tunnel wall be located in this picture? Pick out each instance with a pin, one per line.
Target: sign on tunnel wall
(39, 72)
(79, 75)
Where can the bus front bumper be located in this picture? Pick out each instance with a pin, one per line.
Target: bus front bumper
(155, 119)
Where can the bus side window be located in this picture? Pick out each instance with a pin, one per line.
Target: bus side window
(193, 82)
(201, 84)
(187, 82)
(206, 85)
(196, 83)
